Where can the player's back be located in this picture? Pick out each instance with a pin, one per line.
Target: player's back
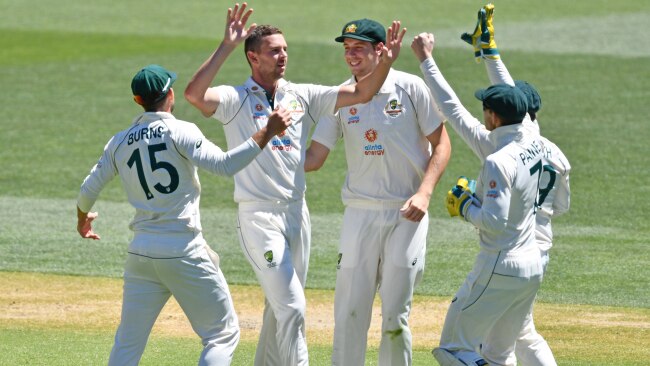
(160, 182)
(554, 192)
(510, 193)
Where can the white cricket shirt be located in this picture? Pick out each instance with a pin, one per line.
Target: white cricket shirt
(508, 182)
(386, 148)
(157, 159)
(554, 191)
(277, 174)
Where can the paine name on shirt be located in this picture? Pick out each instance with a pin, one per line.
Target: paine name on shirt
(530, 152)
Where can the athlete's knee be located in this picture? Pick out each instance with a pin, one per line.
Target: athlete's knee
(396, 326)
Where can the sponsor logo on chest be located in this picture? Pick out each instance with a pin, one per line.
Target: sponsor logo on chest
(353, 118)
(372, 149)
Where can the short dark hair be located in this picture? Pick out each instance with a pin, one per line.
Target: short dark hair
(151, 106)
(254, 39)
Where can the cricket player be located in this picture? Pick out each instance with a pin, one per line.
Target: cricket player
(156, 159)
(490, 308)
(531, 348)
(273, 219)
(396, 148)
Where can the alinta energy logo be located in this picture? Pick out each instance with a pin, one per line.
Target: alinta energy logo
(372, 149)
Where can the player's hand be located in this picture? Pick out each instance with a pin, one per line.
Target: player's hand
(393, 44)
(278, 121)
(236, 20)
(473, 38)
(460, 197)
(488, 44)
(422, 46)
(415, 208)
(84, 224)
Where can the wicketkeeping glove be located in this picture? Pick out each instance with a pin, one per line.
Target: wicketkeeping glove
(473, 39)
(460, 197)
(488, 44)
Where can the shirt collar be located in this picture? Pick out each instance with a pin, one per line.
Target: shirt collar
(147, 117)
(503, 135)
(253, 86)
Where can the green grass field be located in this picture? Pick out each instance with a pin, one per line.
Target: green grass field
(66, 68)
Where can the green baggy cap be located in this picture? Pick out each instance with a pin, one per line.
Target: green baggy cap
(534, 100)
(152, 83)
(506, 100)
(363, 30)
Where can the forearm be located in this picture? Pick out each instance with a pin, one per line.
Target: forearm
(436, 167)
(364, 89)
(369, 86)
(315, 156)
(196, 89)
(93, 184)
(473, 133)
(497, 72)
(214, 160)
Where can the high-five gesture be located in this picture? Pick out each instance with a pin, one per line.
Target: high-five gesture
(393, 42)
(236, 20)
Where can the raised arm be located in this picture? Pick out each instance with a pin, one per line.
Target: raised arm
(198, 91)
(366, 88)
(469, 128)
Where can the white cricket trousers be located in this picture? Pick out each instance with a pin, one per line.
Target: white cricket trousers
(489, 309)
(275, 238)
(531, 348)
(378, 249)
(199, 288)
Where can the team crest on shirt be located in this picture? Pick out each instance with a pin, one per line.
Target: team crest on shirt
(295, 109)
(353, 116)
(258, 107)
(373, 148)
(269, 258)
(393, 108)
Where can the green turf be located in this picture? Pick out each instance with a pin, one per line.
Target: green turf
(68, 91)
(84, 347)
(66, 69)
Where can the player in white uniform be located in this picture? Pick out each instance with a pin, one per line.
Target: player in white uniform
(531, 349)
(273, 219)
(157, 159)
(396, 150)
(491, 305)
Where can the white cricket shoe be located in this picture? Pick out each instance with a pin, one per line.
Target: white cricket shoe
(446, 358)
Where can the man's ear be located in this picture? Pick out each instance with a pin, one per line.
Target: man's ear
(252, 57)
(379, 47)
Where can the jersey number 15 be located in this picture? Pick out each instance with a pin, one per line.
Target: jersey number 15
(155, 165)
